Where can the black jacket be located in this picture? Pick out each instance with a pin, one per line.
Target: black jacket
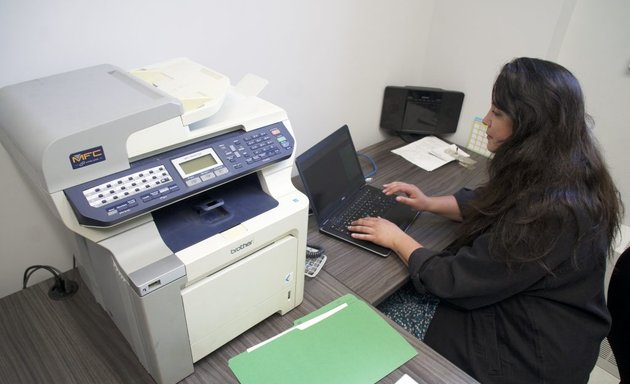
(519, 325)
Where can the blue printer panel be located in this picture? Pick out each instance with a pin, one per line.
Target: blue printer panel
(173, 175)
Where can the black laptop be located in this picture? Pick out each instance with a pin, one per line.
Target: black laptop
(335, 185)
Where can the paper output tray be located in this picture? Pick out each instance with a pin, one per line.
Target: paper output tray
(204, 215)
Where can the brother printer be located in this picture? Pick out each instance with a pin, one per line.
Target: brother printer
(177, 188)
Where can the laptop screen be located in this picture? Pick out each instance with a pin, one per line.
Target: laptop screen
(330, 172)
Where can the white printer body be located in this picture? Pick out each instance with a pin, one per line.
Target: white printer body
(177, 187)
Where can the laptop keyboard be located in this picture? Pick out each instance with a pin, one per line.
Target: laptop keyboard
(370, 203)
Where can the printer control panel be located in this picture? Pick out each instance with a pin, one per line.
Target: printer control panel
(176, 174)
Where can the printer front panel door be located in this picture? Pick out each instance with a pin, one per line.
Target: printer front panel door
(227, 303)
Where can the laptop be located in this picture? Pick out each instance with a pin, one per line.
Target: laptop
(334, 183)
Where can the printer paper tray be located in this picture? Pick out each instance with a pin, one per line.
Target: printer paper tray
(227, 303)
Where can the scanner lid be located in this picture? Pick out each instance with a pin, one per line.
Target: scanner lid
(58, 125)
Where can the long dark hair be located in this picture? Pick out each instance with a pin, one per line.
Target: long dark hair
(549, 164)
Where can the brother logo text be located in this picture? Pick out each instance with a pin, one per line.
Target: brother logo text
(241, 247)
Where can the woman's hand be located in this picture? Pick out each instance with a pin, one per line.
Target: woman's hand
(386, 234)
(440, 205)
(414, 197)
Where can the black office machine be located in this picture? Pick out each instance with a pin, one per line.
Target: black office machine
(419, 111)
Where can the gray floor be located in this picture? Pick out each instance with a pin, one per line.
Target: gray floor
(68, 341)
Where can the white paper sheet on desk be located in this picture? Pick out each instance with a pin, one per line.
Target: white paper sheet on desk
(406, 379)
(427, 153)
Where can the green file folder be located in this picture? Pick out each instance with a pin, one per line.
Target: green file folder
(345, 341)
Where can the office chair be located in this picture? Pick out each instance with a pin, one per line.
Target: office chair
(619, 307)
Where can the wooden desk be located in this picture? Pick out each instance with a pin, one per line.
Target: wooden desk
(371, 276)
(75, 341)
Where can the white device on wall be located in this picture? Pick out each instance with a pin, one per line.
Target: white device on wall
(178, 189)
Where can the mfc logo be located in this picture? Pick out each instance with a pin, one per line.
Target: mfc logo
(87, 157)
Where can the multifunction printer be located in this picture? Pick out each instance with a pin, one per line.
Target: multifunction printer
(176, 186)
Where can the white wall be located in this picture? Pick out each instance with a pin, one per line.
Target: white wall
(327, 63)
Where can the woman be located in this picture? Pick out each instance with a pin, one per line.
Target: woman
(521, 292)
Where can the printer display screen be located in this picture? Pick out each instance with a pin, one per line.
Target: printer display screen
(197, 164)
(192, 164)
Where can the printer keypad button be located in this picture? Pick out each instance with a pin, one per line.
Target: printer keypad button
(207, 176)
(193, 181)
(221, 171)
(126, 186)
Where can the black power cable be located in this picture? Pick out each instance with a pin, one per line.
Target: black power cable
(61, 289)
